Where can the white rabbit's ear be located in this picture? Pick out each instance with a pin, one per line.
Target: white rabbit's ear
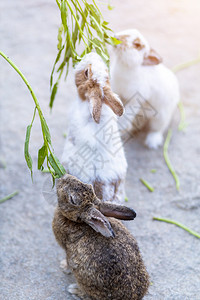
(113, 101)
(117, 211)
(95, 219)
(153, 58)
(96, 105)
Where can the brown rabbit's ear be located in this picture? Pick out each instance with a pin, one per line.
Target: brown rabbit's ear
(95, 99)
(113, 101)
(98, 222)
(152, 59)
(117, 211)
(96, 105)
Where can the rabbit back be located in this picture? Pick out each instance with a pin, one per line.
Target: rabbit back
(105, 268)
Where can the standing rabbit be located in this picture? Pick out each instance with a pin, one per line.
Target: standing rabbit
(93, 151)
(103, 256)
(137, 71)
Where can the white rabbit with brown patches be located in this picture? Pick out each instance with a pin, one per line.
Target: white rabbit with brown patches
(93, 151)
(138, 69)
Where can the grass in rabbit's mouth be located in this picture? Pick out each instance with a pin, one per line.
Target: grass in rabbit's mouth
(81, 21)
(196, 234)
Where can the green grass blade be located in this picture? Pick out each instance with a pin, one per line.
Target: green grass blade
(187, 64)
(182, 125)
(167, 160)
(147, 184)
(196, 234)
(9, 196)
(56, 165)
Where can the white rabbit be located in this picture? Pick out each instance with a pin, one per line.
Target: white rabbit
(93, 151)
(137, 72)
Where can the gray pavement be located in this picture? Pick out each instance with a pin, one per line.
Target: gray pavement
(29, 255)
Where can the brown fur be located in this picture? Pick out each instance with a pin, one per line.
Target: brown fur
(138, 44)
(98, 188)
(89, 89)
(111, 100)
(104, 267)
(152, 59)
(123, 39)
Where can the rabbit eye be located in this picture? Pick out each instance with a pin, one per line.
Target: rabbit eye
(138, 45)
(72, 200)
(86, 73)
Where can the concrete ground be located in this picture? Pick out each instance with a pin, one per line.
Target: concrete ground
(29, 255)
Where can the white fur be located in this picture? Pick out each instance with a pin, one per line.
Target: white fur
(99, 69)
(156, 84)
(84, 131)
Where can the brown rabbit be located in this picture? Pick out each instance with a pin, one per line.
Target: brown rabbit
(103, 256)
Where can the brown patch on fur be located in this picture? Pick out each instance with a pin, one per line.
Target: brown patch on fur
(98, 189)
(123, 39)
(97, 105)
(112, 101)
(100, 186)
(152, 59)
(115, 184)
(137, 44)
(89, 89)
(85, 84)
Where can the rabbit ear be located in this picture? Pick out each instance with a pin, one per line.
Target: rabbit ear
(152, 59)
(117, 211)
(96, 105)
(98, 222)
(95, 99)
(113, 101)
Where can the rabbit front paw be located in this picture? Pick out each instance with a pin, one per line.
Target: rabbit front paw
(76, 292)
(64, 266)
(154, 140)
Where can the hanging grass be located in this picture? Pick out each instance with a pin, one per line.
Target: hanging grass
(81, 23)
(46, 151)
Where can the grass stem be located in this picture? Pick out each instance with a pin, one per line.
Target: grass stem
(9, 196)
(167, 160)
(196, 234)
(150, 188)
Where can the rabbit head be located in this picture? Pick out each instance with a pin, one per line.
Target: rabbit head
(78, 202)
(134, 49)
(92, 81)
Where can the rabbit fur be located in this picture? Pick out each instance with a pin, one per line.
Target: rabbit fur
(103, 256)
(93, 151)
(137, 70)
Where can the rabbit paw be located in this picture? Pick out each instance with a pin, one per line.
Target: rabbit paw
(154, 140)
(76, 292)
(64, 266)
